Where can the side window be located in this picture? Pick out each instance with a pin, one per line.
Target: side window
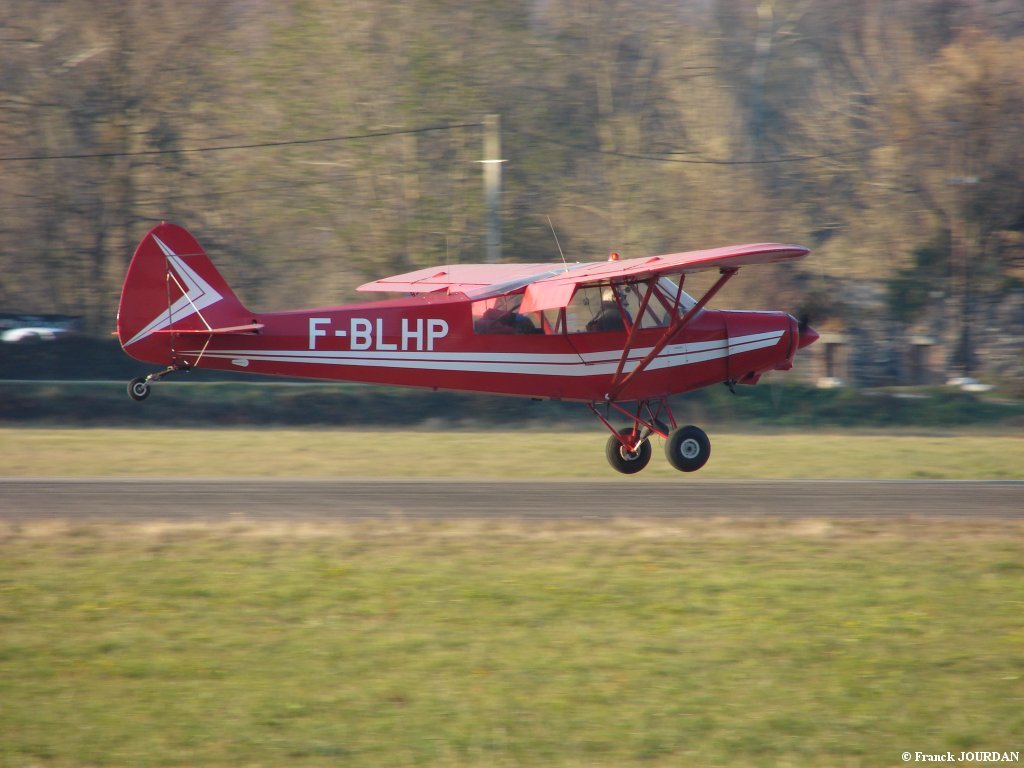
(553, 321)
(594, 308)
(501, 316)
(584, 307)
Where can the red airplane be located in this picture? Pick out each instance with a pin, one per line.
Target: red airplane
(618, 335)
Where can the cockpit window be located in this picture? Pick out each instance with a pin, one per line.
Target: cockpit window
(502, 315)
(617, 307)
(593, 309)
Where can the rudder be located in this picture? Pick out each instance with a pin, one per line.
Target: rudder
(172, 288)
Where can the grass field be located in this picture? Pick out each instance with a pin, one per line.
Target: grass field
(503, 643)
(33, 452)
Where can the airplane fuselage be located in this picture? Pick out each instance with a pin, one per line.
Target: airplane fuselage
(430, 341)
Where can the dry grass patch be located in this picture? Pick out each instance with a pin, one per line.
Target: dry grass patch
(480, 455)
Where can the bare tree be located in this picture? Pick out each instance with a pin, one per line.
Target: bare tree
(98, 86)
(967, 162)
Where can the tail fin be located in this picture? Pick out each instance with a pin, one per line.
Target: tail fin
(172, 288)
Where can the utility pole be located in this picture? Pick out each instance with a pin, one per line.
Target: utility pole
(492, 185)
(962, 353)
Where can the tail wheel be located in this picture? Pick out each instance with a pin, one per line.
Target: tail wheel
(138, 389)
(622, 459)
(688, 448)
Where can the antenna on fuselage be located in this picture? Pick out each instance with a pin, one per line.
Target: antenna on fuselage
(564, 262)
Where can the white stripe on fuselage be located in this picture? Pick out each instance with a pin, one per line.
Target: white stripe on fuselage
(556, 364)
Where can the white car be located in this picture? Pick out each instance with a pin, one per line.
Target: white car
(32, 333)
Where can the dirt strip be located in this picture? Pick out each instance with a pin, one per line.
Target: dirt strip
(212, 500)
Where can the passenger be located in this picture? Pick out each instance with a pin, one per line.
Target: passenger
(525, 325)
(498, 320)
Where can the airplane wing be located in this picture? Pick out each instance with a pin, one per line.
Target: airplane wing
(461, 278)
(551, 286)
(556, 291)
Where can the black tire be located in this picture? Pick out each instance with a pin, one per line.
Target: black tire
(626, 462)
(138, 389)
(688, 448)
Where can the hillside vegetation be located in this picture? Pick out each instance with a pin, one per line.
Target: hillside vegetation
(313, 145)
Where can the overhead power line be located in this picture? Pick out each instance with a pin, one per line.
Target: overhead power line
(697, 160)
(654, 158)
(254, 145)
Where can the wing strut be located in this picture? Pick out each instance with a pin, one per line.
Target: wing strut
(636, 324)
(620, 382)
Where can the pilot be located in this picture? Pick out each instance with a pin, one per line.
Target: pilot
(610, 317)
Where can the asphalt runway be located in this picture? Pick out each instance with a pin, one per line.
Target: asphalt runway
(211, 500)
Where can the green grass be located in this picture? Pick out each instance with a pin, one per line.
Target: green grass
(505, 643)
(491, 454)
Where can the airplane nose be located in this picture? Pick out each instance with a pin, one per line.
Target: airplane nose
(807, 336)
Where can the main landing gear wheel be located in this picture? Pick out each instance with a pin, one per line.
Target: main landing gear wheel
(138, 389)
(688, 448)
(623, 460)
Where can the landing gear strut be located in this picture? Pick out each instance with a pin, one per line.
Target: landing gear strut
(628, 450)
(138, 388)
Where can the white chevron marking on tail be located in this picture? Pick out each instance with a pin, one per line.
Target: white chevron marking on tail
(199, 294)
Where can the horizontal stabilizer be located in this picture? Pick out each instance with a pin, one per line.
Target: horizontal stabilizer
(250, 328)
